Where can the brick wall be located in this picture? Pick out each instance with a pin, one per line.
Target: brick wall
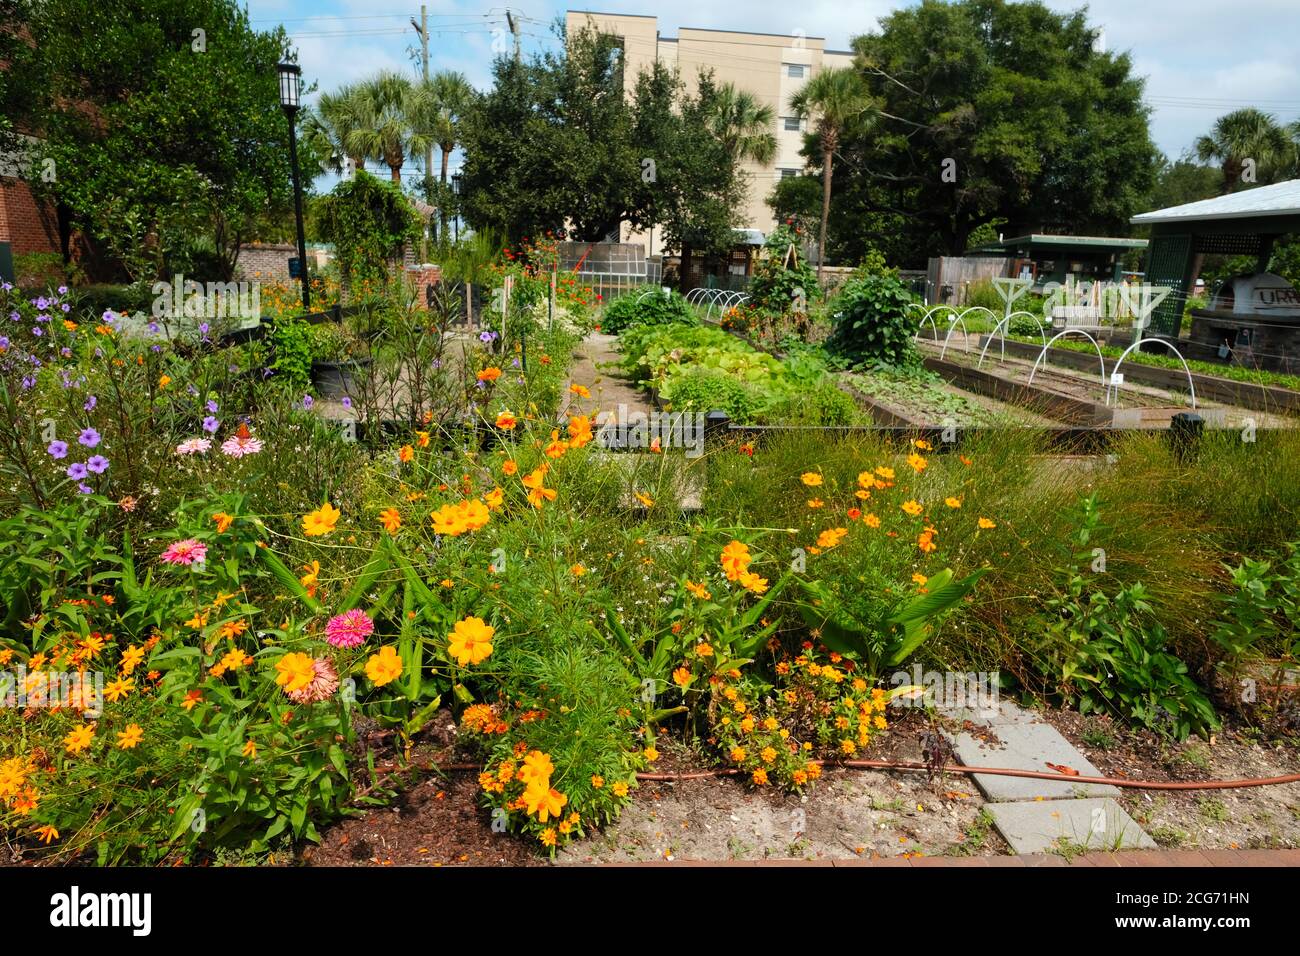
(29, 225)
(268, 261)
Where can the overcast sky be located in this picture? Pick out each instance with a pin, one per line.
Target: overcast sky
(1201, 58)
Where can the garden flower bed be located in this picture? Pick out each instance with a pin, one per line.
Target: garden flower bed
(232, 623)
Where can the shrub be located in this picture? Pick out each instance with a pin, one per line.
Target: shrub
(645, 307)
(872, 322)
(782, 284)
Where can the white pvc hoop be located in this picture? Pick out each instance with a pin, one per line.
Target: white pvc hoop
(1042, 356)
(1191, 385)
(929, 317)
(953, 321)
(696, 294)
(1005, 325)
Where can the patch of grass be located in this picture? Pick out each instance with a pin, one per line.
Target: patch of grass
(1099, 738)
(1212, 809)
(975, 836)
(1168, 837)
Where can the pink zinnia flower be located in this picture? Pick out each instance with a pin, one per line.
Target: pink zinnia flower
(193, 446)
(323, 684)
(349, 628)
(186, 552)
(237, 447)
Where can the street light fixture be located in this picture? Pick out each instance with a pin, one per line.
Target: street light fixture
(290, 102)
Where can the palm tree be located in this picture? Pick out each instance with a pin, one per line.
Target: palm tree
(831, 100)
(442, 102)
(743, 125)
(339, 113)
(1241, 136)
(386, 109)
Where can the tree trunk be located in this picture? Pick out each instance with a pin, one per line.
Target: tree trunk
(827, 159)
(684, 269)
(396, 174)
(442, 208)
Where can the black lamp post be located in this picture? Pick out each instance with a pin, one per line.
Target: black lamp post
(455, 189)
(290, 101)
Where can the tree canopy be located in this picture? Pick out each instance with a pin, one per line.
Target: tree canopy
(989, 110)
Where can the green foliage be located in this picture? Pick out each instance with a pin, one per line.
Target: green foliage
(1112, 655)
(368, 221)
(783, 282)
(873, 324)
(1259, 617)
(1043, 127)
(881, 634)
(152, 140)
(645, 307)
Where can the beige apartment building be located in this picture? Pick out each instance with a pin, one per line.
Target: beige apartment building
(771, 66)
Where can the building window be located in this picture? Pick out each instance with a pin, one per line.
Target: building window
(789, 173)
(794, 70)
(792, 123)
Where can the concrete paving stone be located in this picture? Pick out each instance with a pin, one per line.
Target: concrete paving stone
(1097, 823)
(1026, 744)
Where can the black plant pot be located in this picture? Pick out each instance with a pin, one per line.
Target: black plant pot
(334, 380)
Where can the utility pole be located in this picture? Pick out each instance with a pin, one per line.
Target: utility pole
(514, 29)
(422, 28)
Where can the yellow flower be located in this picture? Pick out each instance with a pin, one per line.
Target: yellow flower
(295, 670)
(506, 421)
(470, 641)
(79, 738)
(699, 590)
(536, 768)
(753, 582)
(918, 463)
(543, 801)
(308, 580)
(704, 649)
(47, 833)
(422, 439)
(952, 502)
(811, 479)
(391, 519)
(321, 521)
(985, 523)
(164, 381)
(250, 750)
(768, 755)
(871, 520)
(912, 507)
(815, 503)
(735, 559)
(597, 781)
(384, 667)
(919, 579)
(116, 690)
(645, 499)
(223, 521)
(494, 499)
(510, 467)
(651, 754)
(760, 776)
(580, 390)
(406, 454)
(737, 754)
(620, 789)
(547, 836)
(831, 537)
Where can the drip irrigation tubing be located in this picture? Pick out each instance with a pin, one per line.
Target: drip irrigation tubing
(925, 768)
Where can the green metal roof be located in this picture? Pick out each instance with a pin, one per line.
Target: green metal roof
(1064, 242)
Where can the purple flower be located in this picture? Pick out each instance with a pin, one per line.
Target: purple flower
(89, 438)
(91, 402)
(63, 290)
(155, 348)
(4, 341)
(77, 470)
(98, 464)
(153, 327)
(514, 363)
(58, 449)
(41, 303)
(212, 406)
(84, 488)
(307, 401)
(65, 307)
(203, 328)
(6, 286)
(37, 331)
(210, 425)
(347, 401)
(65, 352)
(29, 382)
(487, 336)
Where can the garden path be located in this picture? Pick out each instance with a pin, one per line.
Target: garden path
(595, 368)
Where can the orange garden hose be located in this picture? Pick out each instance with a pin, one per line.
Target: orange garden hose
(913, 766)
